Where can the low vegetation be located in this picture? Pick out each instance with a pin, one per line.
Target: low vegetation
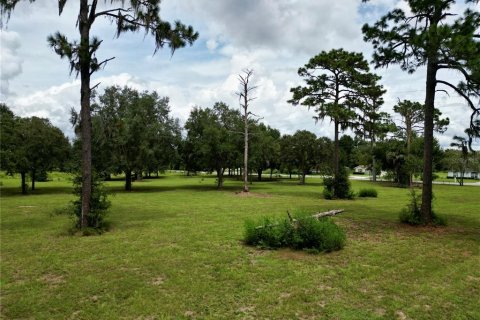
(305, 232)
(178, 240)
(368, 193)
(412, 214)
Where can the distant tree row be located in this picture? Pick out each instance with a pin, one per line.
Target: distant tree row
(135, 135)
(31, 147)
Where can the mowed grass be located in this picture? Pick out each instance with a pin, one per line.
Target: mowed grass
(175, 251)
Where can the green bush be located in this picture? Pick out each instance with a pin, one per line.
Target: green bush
(99, 205)
(412, 213)
(306, 233)
(368, 193)
(337, 187)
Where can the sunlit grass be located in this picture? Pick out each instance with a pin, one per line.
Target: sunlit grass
(175, 251)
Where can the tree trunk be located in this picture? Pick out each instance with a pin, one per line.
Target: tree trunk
(259, 172)
(271, 173)
(33, 179)
(302, 177)
(245, 151)
(128, 180)
(290, 173)
(24, 183)
(85, 118)
(337, 151)
(219, 178)
(428, 141)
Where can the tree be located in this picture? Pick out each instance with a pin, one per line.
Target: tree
(303, 145)
(133, 15)
(265, 149)
(333, 80)
(427, 36)
(30, 145)
(287, 155)
(245, 98)
(135, 130)
(212, 137)
(413, 118)
(461, 144)
(372, 123)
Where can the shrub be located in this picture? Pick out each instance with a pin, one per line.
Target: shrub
(306, 233)
(337, 187)
(319, 234)
(368, 193)
(99, 205)
(412, 214)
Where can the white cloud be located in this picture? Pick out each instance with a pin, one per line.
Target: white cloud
(10, 63)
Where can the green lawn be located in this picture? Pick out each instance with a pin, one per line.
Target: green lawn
(175, 252)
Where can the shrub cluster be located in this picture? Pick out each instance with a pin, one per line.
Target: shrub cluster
(308, 233)
(337, 187)
(368, 193)
(412, 213)
(99, 205)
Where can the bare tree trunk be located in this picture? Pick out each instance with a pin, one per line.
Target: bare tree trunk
(374, 169)
(85, 118)
(337, 151)
(33, 179)
(128, 180)
(245, 150)
(24, 183)
(219, 178)
(428, 141)
(259, 173)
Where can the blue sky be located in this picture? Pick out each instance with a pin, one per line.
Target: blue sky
(274, 38)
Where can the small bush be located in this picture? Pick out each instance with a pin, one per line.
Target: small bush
(337, 187)
(412, 213)
(99, 205)
(306, 233)
(368, 193)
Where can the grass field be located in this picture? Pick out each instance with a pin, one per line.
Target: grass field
(175, 252)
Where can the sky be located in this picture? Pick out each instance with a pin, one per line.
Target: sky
(272, 37)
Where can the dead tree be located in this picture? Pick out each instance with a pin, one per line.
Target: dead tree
(245, 98)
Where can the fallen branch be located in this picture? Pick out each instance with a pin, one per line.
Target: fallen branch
(317, 215)
(327, 213)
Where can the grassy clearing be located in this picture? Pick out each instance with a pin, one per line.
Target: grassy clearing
(175, 252)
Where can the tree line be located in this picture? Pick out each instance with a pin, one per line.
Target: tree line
(135, 135)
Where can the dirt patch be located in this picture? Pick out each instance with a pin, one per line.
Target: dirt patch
(252, 194)
(289, 254)
(52, 279)
(400, 315)
(158, 281)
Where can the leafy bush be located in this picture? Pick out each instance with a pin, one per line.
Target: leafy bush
(305, 233)
(368, 193)
(99, 205)
(412, 214)
(337, 187)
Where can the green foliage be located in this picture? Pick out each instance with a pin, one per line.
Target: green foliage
(99, 205)
(412, 214)
(368, 193)
(213, 142)
(338, 187)
(307, 233)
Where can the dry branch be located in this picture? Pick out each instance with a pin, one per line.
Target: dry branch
(317, 215)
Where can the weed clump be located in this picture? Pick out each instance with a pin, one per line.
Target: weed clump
(368, 193)
(412, 213)
(304, 233)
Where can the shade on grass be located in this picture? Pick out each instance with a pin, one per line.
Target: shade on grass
(175, 251)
